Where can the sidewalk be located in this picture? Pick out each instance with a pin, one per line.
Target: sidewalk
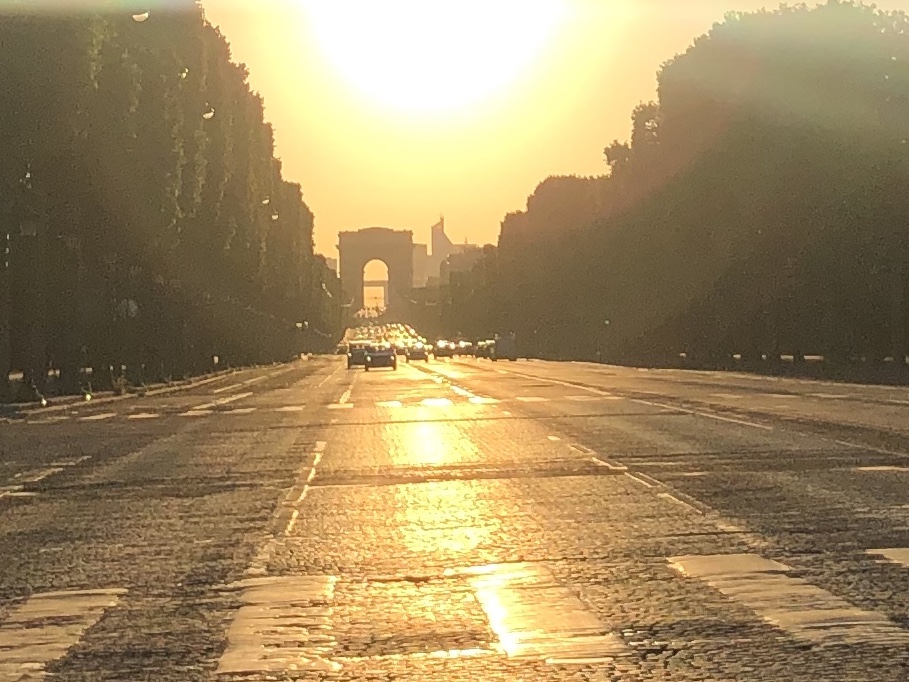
(13, 410)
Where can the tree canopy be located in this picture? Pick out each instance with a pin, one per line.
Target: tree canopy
(146, 215)
(756, 209)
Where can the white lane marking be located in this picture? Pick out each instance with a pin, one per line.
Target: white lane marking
(462, 392)
(506, 413)
(222, 401)
(71, 462)
(829, 396)
(478, 400)
(531, 399)
(284, 624)
(45, 627)
(196, 413)
(11, 491)
(708, 415)
(727, 396)
(436, 402)
(320, 446)
(331, 375)
(98, 417)
(295, 514)
(567, 384)
(871, 448)
(805, 611)
(536, 617)
(602, 463)
(242, 410)
(143, 415)
(37, 476)
(670, 496)
(390, 403)
(896, 555)
(248, 382)
(554, 438)
(648, 478)
(781, 396)
(638, 480)
(292, 408)
(345, 396)
(340, 406)
(225, 389)
(883, 467)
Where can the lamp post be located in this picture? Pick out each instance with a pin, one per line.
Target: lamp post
(600, 335)
(28, 282)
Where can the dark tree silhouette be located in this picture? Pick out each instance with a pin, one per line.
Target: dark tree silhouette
(756, 211)
(148, 228)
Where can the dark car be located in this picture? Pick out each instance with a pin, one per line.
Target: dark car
(444, 349)
(381, 356)
(356, 354)
(418, 351)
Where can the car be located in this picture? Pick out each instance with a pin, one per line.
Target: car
(444, 349)
(483, 349)
(381, 355)
(357, 353)
(341, 349)
(418, 351)
(400, 348)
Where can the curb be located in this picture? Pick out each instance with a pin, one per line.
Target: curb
(65, 402)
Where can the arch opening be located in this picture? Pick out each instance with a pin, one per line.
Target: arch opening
(375, 286)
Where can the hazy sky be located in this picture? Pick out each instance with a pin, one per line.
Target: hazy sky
(391, 113)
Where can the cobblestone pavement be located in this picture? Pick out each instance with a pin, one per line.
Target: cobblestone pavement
(462, 520)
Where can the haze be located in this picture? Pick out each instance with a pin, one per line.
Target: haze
(452, 137)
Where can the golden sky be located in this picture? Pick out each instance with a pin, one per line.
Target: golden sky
(460, 108)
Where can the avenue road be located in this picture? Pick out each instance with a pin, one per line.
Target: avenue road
(460, 520)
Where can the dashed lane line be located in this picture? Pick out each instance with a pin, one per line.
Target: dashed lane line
(670, 496)
(804, 611)
(262, 637)
(637, 479)
(46, 627)
(708, 415)
(225, 389)
(98, 417)
(222, 401)
(436, 402)
(896, 555)
(559, 629)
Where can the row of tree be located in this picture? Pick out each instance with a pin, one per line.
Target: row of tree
(759, 208)
(146, 227)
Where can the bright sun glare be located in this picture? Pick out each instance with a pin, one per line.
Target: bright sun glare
(432, 56)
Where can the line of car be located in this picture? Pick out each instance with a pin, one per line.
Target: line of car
(382, 345)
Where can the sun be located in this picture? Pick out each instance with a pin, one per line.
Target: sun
(433, 56)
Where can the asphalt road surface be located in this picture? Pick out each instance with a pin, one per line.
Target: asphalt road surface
(460, 520)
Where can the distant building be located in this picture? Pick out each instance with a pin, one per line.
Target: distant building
(332, 264)
(427, 266)
(420, 265)
(462, 260)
